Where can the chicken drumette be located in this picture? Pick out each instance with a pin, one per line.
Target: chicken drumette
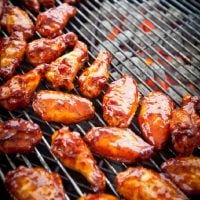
(94, 78)
(101, 196)
(34, 184)
(74, 153)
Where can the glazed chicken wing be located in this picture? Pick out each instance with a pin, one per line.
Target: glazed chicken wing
(185, 172)
(62, 72)
(102, 196)
(154, 118)
(16, 20)
(19, 136)
(118, 144)
(94, 78)
(145, 184)
(120, 102)
(62, 107)
(185, 126)
(34, 184)
(74, 153)
(17, 92)
(45, 50)
(51, 22)
(32, 5)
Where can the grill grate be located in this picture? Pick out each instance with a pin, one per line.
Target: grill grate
(177, 33)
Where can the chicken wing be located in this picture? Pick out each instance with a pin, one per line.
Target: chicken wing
(118, 144)
(62, 72)
(34, 184)
(17, 92)
(141, 183)
(47, 3)
(16, 20)
(61, 107)
(185, 172)
(94, 78)
(73, 152)
(3, 4)
(11, 55)
(32, 5)
(120, 102)
(51, 22)
(102, 196)
(154, 118)
(185, 126)
(45, 50)
(19, 136)
(71, 2)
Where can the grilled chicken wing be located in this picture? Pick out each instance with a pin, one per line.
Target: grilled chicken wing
(61, 73)
(120, 102)
(118, 144)
(94, 78)
(185, 172)
(34, 184)
(61, 107)
(16, 20)
(11, 54)
(141, 183)
(185, 126)
(47, 50)
(102, 196)
(74, 153)
(17, 92)
(47, 3)
(19, 136)
(51, 22)
(32, 5)
(154, 118)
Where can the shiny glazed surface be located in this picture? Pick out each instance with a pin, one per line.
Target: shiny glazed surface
(102, 196)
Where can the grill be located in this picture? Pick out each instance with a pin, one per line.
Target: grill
(155, 41)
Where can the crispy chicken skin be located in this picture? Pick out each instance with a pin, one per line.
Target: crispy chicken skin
(185, 126)
(51, 22)
(73, 152)
(102, 196)
(141, 183)
(34, 184)
(32, 5)
(62, 72)
(118, 144)
(184, 172)
(11, 55)
(120, 102)
(16, 20)
(17, 92)
(45, 50)
(19, 136)
(94, 78)
(62, 107)
(154, 118)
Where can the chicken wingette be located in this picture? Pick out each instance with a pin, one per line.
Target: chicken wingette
(154, 118)
(56, 106)
(101, 196)
(73, 152)
(120, 102)
(94, 78)
(118, 144)
(62, 72)
(34, 184)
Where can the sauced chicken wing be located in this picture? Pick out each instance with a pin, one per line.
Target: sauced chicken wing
(61, 107)
(185, 126)
(19, 136)
(74, 153)
(47, 50)
(118, 144)
(34, 184)
(94, 78)
(47, 3)
(17, 92)
(120, 102)
(16, 20)
(61, 73)
(32, 5)
(154, 118)
(102, 196)
(185, 172)
(141, 183)
(51, 22)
